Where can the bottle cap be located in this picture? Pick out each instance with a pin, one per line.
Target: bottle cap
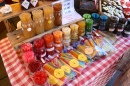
(86, 16)
(103, 18)
(95, 16)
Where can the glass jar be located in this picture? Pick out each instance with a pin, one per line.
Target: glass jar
(58, 14)
(58, 41)
(48, 17)
(111, 27)
(39, 49)
(49, 22)
(88, 27)
(103, 21)
(119, 29)
(95, 18)
(39, 26)
(81, 29)
(48, 38)
(58, 18)
(28, 29)
(126, 32)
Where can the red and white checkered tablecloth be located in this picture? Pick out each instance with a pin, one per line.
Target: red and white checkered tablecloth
(97, 74)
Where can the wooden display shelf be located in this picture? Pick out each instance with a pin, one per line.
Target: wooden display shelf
(17, 38)
(16, 9)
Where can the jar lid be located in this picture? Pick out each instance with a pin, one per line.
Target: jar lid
(89, 22)
(86, 16)
(95, 16)
(39, 43)
(128, 21)
(103, 18)
(114, 19)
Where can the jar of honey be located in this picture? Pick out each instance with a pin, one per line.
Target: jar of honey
(48, 38)
(58, 14)
(81, 29)
(48, 18)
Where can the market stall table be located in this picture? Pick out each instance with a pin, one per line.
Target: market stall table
(96, 74)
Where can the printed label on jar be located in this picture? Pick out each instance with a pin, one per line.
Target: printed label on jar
(50, 49)
(34, 2)
(43, 55)
(119, 30)
(66, 41)
(29, 29)
(25, 4)
(126, 32)
(49, 21)
(111, 29)
(58, 45)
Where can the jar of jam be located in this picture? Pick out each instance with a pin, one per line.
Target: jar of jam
(88, 27)
(95, 18)
(121, 25)
(48, 38)
(58, 41)
(58, 14)
(126, 32)
(48, 18)
(40, 48)
(112, 23)
(81, 29)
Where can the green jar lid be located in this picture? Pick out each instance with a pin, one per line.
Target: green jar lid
(89, 22)
(86, 16)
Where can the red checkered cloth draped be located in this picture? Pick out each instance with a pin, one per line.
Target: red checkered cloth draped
(97, 74)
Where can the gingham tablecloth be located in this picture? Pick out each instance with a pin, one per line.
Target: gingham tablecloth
(97, 74)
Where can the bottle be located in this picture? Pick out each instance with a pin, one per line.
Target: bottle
(88, 27)
(58, 14)
(103, 21)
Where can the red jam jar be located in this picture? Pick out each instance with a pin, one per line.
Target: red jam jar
(48, 38)
(40, 49)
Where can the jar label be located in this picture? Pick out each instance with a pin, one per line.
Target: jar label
(58, 45)
(29, 29)
(25, 4)
(50, 49)
(111, 29)
(126, 32)
(66, 41)
(49, 21)
(119, 30)
(43, 55)
(34, 2)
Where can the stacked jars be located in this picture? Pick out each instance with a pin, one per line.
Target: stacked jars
(112, 23)
(48, 18)
(74, 32)
(40, 49)
(120, 26)
(126, 32)
(81, 29)
(58, 14)
(66, 36)
(58, 41)
(48, 38)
